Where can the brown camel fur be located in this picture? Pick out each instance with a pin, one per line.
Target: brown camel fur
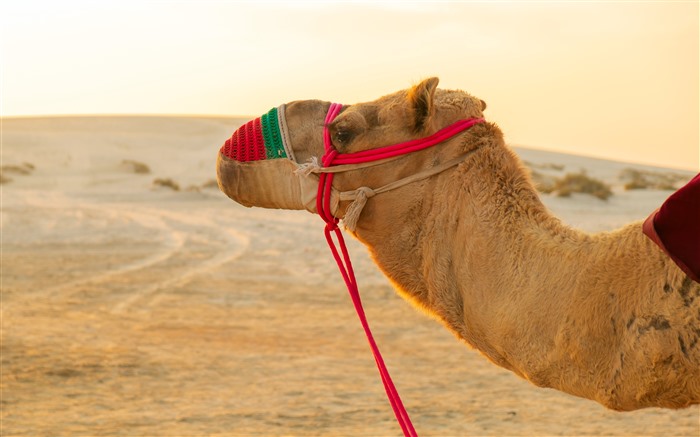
(608, 316)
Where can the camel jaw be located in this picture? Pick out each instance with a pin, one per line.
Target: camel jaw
(266, 184)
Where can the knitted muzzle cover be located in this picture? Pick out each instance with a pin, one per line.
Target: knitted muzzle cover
(266, 137)
(256, 167)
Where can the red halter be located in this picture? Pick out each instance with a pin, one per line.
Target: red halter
(323, 206)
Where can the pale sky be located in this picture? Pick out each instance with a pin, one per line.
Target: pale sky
(617, 80)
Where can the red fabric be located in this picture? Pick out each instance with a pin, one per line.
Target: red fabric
(675, 227)
(246, 143)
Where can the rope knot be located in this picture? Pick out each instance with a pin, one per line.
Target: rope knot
(331, 226)
(367, 192)
(305, 169)
(352, 215)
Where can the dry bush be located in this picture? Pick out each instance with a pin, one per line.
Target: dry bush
(545, 166)
(24, 169)
(193, 189)
(581, 183)
(166, 183)
(211, 183)
(645, 179)
(135, 166)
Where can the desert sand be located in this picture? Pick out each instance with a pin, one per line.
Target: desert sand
(133, 308)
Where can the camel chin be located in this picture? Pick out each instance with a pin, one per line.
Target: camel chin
(266, 184)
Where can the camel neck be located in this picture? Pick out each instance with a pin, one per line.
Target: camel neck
(459, 262)
(509, 242)
(477, 248)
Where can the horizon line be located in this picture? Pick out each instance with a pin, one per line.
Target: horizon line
(694, 168)
(125, 114)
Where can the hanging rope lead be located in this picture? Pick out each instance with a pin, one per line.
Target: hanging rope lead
(331, 158)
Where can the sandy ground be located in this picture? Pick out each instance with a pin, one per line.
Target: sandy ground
(133, 309)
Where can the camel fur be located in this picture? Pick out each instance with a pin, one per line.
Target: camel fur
(607, 316)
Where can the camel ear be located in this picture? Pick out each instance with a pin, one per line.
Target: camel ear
(421, 99)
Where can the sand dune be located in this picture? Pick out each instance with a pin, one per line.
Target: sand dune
(129, 308)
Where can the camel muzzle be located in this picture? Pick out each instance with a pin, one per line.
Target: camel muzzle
(256, 166)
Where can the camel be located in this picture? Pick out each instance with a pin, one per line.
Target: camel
(607, 317)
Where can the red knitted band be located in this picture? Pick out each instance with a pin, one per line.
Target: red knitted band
(256, 140)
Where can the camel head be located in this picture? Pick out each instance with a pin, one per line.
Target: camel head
(263, 162)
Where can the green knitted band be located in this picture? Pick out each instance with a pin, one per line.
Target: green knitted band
(274, 147)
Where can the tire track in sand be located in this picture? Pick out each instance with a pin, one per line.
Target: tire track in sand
(172, 241)
(200, 230)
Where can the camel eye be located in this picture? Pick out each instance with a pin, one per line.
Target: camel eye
(342, 137)
(346, 128)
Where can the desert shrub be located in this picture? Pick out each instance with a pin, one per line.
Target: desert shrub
(581, 183)
(166, 183)
(135, 166)
(646, 179)
(666, 186)
(544, 166)
(193, 188)
(24, 169)
(211, 183)
(551, 166)
(634, 179)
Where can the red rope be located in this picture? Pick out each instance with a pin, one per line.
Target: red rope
(342, 258)
(345, 267)
(323, 206)
(405, 147)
